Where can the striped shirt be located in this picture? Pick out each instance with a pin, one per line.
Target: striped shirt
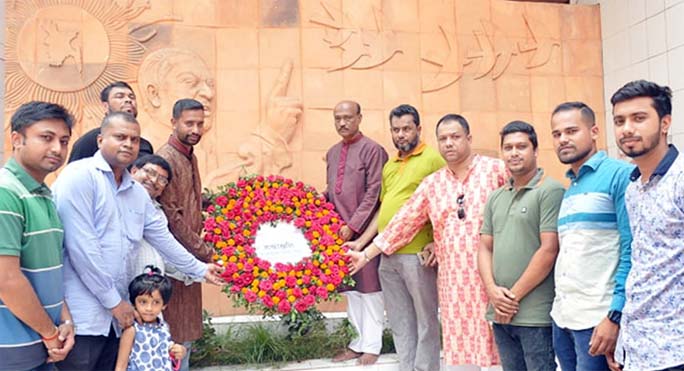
(31, 230)
(593, 231)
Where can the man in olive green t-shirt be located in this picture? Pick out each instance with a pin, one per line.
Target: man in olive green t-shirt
(518, 249)
(409, 285)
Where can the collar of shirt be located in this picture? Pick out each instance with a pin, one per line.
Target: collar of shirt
(662, 167)
(102, 165)
(592, 164)
(535, 181)
(416, 152)
(353, 140)
(180, 147)
(26, 180)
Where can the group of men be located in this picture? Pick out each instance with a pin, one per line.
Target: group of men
(591, 276)
(528, 272)
(68, 255)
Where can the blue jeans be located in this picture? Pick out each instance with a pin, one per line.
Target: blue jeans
(525, 348)
(572, 350)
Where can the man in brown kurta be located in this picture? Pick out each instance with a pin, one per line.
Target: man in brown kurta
(182, 203)
(354, 176)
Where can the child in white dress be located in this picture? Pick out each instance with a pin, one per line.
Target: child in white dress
(147, 345)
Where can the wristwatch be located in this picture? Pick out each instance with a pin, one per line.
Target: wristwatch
(615, 316)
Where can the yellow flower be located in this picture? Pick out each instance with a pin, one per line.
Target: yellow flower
(275, 299)
(291, 298)
(232, 259)
(330, 287)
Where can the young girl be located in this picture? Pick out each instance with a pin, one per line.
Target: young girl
(148, 346)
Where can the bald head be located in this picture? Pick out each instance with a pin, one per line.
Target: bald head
(350, 104)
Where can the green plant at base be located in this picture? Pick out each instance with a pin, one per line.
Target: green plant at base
(260, 344)
(300, 324)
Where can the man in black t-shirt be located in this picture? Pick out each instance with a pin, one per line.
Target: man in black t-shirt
(116, 97)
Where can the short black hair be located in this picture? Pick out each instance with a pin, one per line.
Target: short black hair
(405, 109)
(29, 113)
(587, 113)
(186, 104)
(660, 95)
(154, 160)
(520, 127)
(454, 117)
(119, 114)
(149, 281)
(104, 94)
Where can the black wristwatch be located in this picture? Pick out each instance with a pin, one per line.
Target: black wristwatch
(615, 316)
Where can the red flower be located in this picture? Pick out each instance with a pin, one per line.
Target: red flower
(250, 296)
(301, 306)
(284, 307)
(222, 201)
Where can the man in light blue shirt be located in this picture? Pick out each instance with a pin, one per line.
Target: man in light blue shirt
(106, 214)
(594, 239)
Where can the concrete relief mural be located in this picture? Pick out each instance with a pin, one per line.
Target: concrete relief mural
(362, 48)
(266, 150)
(66, 52)
(269, 72)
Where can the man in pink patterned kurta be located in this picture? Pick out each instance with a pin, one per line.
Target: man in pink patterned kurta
(453, 200)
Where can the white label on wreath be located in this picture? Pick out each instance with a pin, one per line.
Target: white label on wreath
(282, 243)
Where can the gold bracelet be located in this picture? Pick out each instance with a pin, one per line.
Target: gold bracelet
(365, 256)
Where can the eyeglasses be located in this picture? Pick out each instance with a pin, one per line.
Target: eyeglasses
(162, 180)
(460, 200)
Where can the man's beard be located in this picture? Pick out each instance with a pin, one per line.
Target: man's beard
(408, 147)
(637, 153)
(575, 158)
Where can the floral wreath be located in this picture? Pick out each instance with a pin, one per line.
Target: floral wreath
(231, 224)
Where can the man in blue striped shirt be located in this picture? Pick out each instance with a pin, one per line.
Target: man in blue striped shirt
(594, 237)
(35, 323)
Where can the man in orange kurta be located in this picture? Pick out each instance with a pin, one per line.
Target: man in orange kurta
(453, 200)
(182, 204)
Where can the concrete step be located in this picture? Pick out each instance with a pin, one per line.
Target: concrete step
(387, 362)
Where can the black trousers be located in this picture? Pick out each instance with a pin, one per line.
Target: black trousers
(92, 353)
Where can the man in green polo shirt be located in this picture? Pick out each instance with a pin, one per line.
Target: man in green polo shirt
(518, 249)
(409, 283)
(35, 324)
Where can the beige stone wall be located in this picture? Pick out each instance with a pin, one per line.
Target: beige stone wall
(254, 63)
